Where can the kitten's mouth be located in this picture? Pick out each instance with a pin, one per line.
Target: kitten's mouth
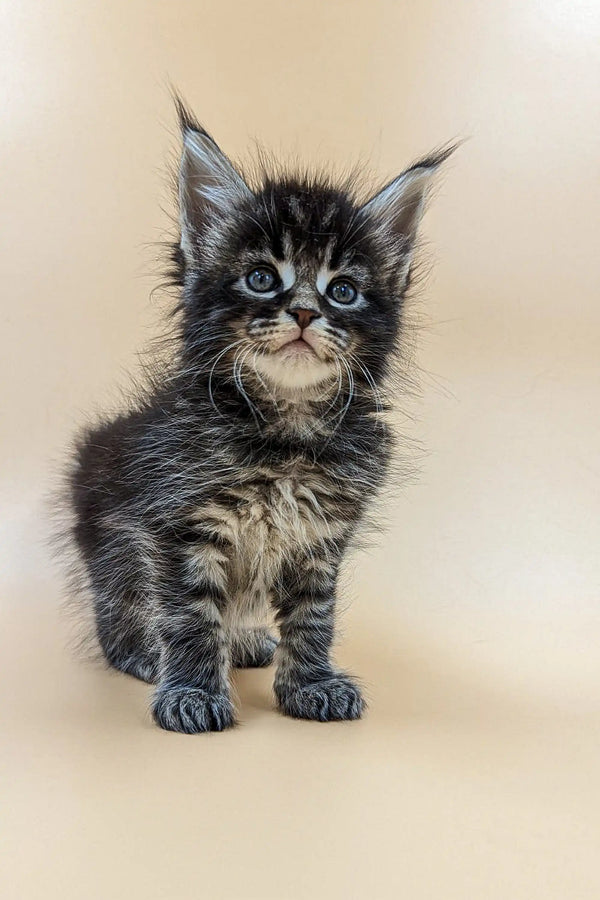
(295, 364)
(296, 347)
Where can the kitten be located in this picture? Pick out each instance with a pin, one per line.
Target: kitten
(236, 484)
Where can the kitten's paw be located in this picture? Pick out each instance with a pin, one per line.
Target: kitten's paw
(334, 699)
(252, 648)
(191, 710)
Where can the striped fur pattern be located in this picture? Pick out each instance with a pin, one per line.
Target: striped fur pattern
(227, 496)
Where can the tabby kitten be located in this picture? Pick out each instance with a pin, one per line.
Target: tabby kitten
(236, 484)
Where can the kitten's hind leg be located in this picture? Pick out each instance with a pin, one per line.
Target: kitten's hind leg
(124, 643)
(252, 648)
(144, 666)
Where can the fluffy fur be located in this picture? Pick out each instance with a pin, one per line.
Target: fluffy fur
(235, 485)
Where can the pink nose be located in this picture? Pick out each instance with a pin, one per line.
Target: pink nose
(304, 316)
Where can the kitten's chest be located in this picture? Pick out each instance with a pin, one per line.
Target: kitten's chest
(274, 514)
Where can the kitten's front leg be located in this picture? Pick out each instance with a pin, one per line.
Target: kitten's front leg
(306, 684)
(192, 695)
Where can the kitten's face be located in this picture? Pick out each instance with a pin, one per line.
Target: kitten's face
(306, 289)
(295, 283)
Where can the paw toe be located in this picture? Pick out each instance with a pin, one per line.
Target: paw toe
(335, 699)
(192, 710)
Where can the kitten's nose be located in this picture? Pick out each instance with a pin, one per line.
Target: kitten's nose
(304, 316)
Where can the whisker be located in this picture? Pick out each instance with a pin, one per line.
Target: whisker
(210, 377)
(370, 381)
(339, 386)
(237, 377)
(261, 380)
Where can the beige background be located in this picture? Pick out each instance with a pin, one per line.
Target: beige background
(475, 621)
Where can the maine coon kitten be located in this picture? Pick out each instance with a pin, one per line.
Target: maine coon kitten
(237, 483)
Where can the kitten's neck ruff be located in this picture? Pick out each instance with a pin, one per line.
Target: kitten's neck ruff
(310, 415)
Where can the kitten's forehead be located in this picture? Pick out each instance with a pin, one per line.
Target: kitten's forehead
(318, 211)
(309, 226)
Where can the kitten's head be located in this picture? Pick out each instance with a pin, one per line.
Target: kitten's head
(293, 280)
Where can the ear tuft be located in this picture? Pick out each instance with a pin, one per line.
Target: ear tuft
(399, 206)
(187, 119)
(209, 185)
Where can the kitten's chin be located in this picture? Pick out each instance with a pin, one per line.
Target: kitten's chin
(295, 369)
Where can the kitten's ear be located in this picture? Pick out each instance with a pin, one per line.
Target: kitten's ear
(209, 185)
(398, 207)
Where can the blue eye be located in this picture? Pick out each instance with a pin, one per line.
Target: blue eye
(342, 291)
(261, 279)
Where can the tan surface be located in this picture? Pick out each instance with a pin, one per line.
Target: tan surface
(475, 622)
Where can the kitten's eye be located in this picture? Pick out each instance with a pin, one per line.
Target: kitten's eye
(261, 279)
(342, 291)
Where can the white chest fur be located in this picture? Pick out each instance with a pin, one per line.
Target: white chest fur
(270, 516)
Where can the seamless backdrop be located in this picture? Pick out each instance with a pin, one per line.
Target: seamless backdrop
(474, 620)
